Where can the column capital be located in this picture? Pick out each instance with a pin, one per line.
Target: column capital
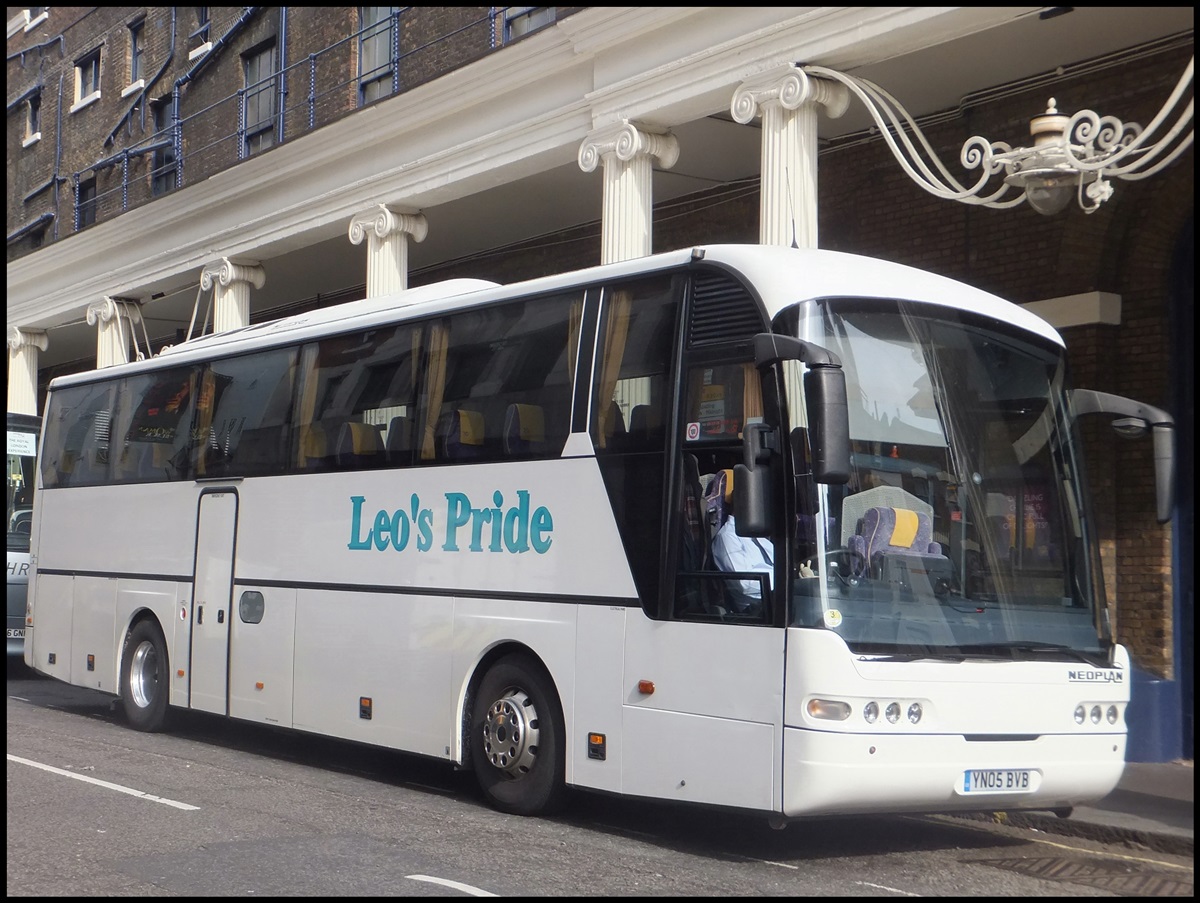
(226, 271)
(384, 221)
(790, 88)
(19, 338)
(624, 140)
(109, 308)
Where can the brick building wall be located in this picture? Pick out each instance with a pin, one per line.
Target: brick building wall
(317, 56)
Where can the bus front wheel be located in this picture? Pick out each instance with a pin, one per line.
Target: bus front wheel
(144, 680)
(517, 738)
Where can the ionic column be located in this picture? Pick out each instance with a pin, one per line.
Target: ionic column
(231, 281)
(626, 151)
(788, 100)
(114, 319)
(387, 232)
(23, 347)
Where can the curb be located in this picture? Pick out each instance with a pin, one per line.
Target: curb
(1159, 842)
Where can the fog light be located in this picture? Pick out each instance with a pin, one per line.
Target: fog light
(1112, 714)
(828, 709)
(914, 712)
(1095, 714)
(1080, 714)
(892, 713)
(871, 712)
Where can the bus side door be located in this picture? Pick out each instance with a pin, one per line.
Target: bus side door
(212, 591)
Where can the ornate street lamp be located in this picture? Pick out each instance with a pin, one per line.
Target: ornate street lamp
(1071, 156)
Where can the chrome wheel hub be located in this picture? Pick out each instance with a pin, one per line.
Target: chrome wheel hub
(510, 733)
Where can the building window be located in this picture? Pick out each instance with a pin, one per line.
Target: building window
(33, 117)
(198, 41)
(87, 77)
(86, 205)
(261, 100)
(376, 68)
(522, 20)
(200, 35)
(163, 175)
(35, 16)
(136, 50)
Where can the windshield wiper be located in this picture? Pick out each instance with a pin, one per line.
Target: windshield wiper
(1017, 647)
(913, 657)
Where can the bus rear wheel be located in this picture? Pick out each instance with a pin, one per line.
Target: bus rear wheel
(144, 680)
(517, 738)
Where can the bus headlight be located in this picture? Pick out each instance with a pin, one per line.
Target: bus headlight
(828, 709)
(1112, 714)
(1080, 714)
(871, 712)
(892, 712)
(1095, 714)
(914, 713)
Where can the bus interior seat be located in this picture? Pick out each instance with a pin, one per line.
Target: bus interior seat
(313, 446)
(524, 429)
(614, 426)
(358, 446)
(855, 506)
(890, 532)
(460, 435)
(399, 444)
(718, 499)
(696, 594)
(645, 424)
(697, 537)
(256, 451)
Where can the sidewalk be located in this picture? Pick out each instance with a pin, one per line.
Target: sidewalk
(1153, 806)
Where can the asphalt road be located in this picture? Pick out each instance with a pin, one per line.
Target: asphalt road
(224, 808)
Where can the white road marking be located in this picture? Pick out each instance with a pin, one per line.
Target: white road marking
(456, 885)
(894, 890)
(79, 777)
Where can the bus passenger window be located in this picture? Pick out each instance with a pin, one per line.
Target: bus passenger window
(630, 381)
(154, 425)
(245, 423)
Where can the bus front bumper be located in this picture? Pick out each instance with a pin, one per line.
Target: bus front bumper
(827, 773)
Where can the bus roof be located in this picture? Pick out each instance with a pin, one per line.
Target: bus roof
(781, 276)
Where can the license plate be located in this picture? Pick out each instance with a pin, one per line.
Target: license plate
(999, 780)
(16, 633)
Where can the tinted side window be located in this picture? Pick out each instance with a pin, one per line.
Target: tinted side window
(632, 379)
(244, 413)
(499, 381)
(77, 436)
(152, 426)
(357, 400)
(631, 411)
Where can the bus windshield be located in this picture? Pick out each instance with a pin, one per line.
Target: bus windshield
(22, 459)
(962, 530)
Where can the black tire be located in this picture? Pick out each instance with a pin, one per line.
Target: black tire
(520, 771)
(145, 678)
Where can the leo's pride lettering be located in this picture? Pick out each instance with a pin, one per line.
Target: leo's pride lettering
(494, 528)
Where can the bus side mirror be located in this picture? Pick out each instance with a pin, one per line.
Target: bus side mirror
(828, 424)
(1134, 420)
(752, 481)
(825, 401)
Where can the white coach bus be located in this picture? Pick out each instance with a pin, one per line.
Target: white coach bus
(480, 523)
